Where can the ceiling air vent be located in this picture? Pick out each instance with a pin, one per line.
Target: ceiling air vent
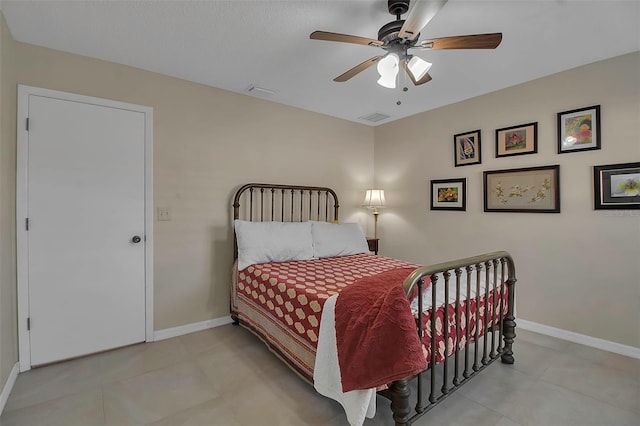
(259, 91)
(375, 117)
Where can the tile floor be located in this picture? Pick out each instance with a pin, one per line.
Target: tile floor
(226, 376)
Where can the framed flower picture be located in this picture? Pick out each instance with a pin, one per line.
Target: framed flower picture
(527, 190)
(579, 129)
(617, 186)
(466, 148)
(517, 140)
(449, 194)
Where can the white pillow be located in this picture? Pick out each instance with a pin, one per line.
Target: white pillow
(262, 242)
(330, 239)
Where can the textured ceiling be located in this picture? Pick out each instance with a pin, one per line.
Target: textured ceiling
(235, 44)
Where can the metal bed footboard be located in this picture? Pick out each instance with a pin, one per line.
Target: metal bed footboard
(481, 347)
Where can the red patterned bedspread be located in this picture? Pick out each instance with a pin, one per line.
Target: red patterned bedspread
(456, 334)
(283, 303)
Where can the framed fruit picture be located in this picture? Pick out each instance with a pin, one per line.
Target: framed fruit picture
(449, 194)
(579, 129)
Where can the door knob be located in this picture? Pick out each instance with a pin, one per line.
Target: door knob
(136, 239)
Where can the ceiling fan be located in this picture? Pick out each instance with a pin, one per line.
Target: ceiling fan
(398, 36)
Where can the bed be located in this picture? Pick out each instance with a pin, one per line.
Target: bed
(354, 324)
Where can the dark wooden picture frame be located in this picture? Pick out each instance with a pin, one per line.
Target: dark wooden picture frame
(467, 148)
(579, 130)
(616, 186)
(517, 140)
(525, 190)
(449, 194)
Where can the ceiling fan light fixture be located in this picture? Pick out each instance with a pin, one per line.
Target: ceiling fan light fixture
(418, 67)
(388, 81)
(388, 70)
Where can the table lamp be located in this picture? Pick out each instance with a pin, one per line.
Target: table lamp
(374, 200)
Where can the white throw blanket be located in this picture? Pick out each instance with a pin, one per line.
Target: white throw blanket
(357, 404)
(327, 380)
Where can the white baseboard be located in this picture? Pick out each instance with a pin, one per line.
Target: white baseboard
(582, 339)
(559, 333)
(8, 386)
(168, 333)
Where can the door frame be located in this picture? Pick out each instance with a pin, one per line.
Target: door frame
(22, 242)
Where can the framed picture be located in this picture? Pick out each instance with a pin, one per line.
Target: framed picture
(579, 129)
(517, 140)
(466, 148)
(449, 194)
(616, 186)
(528, 190)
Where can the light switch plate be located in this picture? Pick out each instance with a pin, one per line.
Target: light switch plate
(164, 213)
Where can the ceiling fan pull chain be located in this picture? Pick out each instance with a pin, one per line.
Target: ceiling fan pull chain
(404, 88)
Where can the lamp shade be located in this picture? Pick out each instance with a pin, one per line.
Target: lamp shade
(418, 67)
(388, 70)
(374, 198)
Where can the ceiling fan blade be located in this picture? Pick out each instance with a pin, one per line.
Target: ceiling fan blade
(475, 41)
(420, 14)
(357, 69)
(344, 38)
(425, 79)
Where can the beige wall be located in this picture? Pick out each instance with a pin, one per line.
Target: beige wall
(207, 142)
(8, 327)
(578, 270)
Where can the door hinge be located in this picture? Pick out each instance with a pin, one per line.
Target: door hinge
(26, 224)
(27, 124)
(28, 324)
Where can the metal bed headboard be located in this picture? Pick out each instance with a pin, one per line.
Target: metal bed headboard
(260, 202)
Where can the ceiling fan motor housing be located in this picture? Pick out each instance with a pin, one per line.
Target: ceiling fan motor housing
(398, 7)
(389, 32)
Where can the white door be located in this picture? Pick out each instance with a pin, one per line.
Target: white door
(85, 200)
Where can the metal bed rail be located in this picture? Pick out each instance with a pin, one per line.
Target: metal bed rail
(499, 273)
